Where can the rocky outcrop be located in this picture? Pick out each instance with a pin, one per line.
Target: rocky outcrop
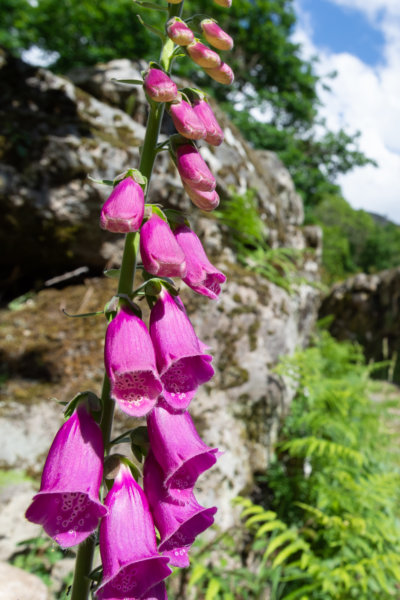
(366, 309)
(51, 211)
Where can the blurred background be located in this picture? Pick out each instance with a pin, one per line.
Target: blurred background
(306, 335)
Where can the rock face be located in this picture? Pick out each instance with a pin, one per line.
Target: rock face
(62, 133)
(366, 309)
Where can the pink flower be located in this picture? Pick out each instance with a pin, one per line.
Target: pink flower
(130, 364)
(123, 211)
(179, 450)
(67, 505)
(206, 201)
(178, 523)
(193, 170)
(159, 87)
(201, 275)
(180, 359)
(216, 36)
(222, 74)
(159, 250)
(179, 32)
(186, 120)
(128, 548)
(203, 55)
(214, 134)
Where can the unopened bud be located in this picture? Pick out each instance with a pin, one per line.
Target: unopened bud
(193, 170)
(124, 209)
(159, 87)
(216, 36)
(203, 55)
(214, 134)
(179, 32)
(206, 201)
(222, 74)
(186, 120)
(224, 3)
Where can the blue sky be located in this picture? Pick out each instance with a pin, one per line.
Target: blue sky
(360, 39)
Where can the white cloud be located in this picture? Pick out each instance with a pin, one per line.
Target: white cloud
(367, 99)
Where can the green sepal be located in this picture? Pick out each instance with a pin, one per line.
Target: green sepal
(82, 315)
(128, 81)
(92, 401)
(150, 5)
(112, 273)
(127, 301)
(140, 443)
(176, 218)
(112, 464)
(152, 29)
(150, 209)
(102, 181)
(110, 309)
(97, 574)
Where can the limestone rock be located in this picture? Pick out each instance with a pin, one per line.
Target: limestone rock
(16, 584)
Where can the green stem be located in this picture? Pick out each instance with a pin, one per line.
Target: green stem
(86, 550)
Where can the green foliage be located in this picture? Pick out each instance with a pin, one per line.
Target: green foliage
(249, 237)
(39, 556)
(331, 530)
(353, 240)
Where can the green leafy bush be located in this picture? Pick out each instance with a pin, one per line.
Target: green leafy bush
(249, 237)
(329, 527)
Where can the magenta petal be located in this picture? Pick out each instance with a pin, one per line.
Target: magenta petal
(193, 170)
(186, 121)
(123, 211)
(178, 523)
(159, 250)
(180, 359)
(159, 86)
(128, 548)
(214, 134)
(67, 505)
(201, 275)
(130, 364)
(178, 449)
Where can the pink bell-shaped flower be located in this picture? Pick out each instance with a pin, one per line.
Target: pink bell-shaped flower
(123, 211)
(214, 134)
(178, 523)
(179, 32)
(222, 74)
(159, 250)
(128, 547)
(159, 87)
(130, 364)
(206, 201)
(179, 450)
(67, 505)
(201, 275)
(180, 359)
(203, 55)
(216, 36)
(186, 120)
(193, 170)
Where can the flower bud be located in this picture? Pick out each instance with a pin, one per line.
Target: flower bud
(159, 87)
(193, 170)
(206, 201)
(224, 3)
(222, 74)
(124, 209)
(201, 275)
(216, 36)
(214, 134)
(186, 120)
(159, 250)
(179, 32)
(203, 55)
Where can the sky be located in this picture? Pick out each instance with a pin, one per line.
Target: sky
(360, 40)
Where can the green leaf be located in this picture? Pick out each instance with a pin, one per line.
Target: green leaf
(198, 573)
(270, 526)
(212, 589)
(288, 551)
(278, 541)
